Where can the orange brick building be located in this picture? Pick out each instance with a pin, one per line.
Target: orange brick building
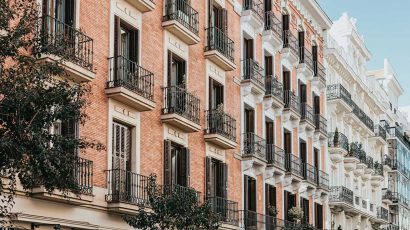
(224, 97)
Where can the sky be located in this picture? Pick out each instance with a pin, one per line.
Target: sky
(385, 25)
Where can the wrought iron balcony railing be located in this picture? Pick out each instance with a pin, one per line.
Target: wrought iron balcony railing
(253, 145)
(293, 164)
(227, 210)
(307, 113)
(127, 187)
(379, 131)
(273, 87)
(395, 132)
(305, 56)
(63, 40)
(339, 92)
(319, 71)
(254, 220)
(320, 123)
(388, 161)
(382, 213)
(323, 180)
(291, 101)
(255, 6)
(273, 23)
(128, 74)
(378, 169)
(275, 156)
(290, 41)
(387, 194)
(253, 71)
(180, 101)
(217, 40)
(309, 172)
(341, 194)
(219, 122)
(83, 173)
(389, 227)
(341, 141)
(182, 11)
(362, 116)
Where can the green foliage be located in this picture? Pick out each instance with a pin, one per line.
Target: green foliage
(172, 207)
(336, 138)
(33, 97)
(295, 214)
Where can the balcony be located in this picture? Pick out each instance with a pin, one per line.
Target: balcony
(378, 175)
(309, 173)
(253, 14)
(380, 135)
(142, 5)
(394, 132)
(383, 214)
(389, 227)
(387, 163)
(363, 118)
(294, 165)
(83, 175)
(305, 67)
(292, 105)
(181, 109)
(323, 180)
(290, 48)
(127, 191)
(339, 99)
(273, 31)
(338, 146)
(319, 75)
(321, 126)
(275, 156)
(226, 209)
(274, 93)
(340, 197)
(254, 148)
(307, 118)
(220, 129)
(387, 196)
(352, 159)
(220, 48)
(60, 41)
(130, 84)
(182, 20)
(253, 76)
(253, 220)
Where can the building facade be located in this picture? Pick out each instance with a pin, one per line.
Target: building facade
(363, 144)
(228, 99)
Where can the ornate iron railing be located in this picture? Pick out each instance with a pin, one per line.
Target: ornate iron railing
(72, 44)
(305, 56)
(340, 142)
(253, 71)
(254, 5)
(290, 41)
(127, 187)
(273, 87)
(321, 123)
(219, 122)
(379, 131)
(382, 213)
(254, 220)
(378, 169)
(362, 116)
(323, 180)
(273, 23)
(180, 101)
(341, 194)
(227, 210)
(319, 71)
(84, 175)
(307, 112)
(253, 145)
(387, 194)
(217, 40)
(339, 92)
(293, 164)
(291, 101)
(275, 156)
(182, 11)
(128, 74)
(309, 172)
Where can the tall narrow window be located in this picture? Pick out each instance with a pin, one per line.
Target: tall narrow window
(216, 178)
(218, 17)
(290, 202)
(176, 71)
(318, 216)
(62, 10)
(176, 164)
(126, 41)
(216, 94)
(285, 26)
(269, 66)
(286, 80)
(302, 93)
(303, 151)
(268, 5)
(288, 142)
(270, 130)
(249, 121)
(248, 46)
(304, 204)
(270, 197)
(121, 146)
(316, 104)
(250, 193)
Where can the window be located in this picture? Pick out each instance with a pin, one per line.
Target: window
(216, 178)
(176, 71)
(61, 10)
(287, 142)
(316, 104)
(248, 48)
(270, 131)
(250, 193)
(268, 5)
(216, 94)
(290, 202)
(304, 204)
(176, 164)
(249, 121)
(270, 197)
(218, 17)
(318, 216)
(126, 44)
(269, 66)
(66, 128)
(121, 147)
(286, 80)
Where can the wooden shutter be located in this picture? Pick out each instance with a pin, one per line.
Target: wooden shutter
(249, 121)
(117, 34)
(134, 45)
(210, 13)
(167, 162)
(268, 66)
(270, 132)
(211, 94)
(69, 12)
(184, 167)
(224, 20)
(317, 104)
(301, 38)
(286, 80)
(314, 53)
(285, 21)
(208, 176)
(303, 96)
(169, 69)
(267, 198)
(121, 147)
(224, 180)
(246, 192)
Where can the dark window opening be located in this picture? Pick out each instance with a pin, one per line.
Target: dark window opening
(62, 10)
(248, 46)
(250, 193)
(286, 80)
(290, 202)
(176, 164)
(270, 198)
(288, 142)
(218, 17)
(269, 66)
(249, 121)
(316, 104)
(318, 216)
(304, 204)
(176, 71)
(270, 131)
(216, 178)
(216, 94)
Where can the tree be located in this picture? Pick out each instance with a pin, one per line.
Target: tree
(173, 207)
(34, 97)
